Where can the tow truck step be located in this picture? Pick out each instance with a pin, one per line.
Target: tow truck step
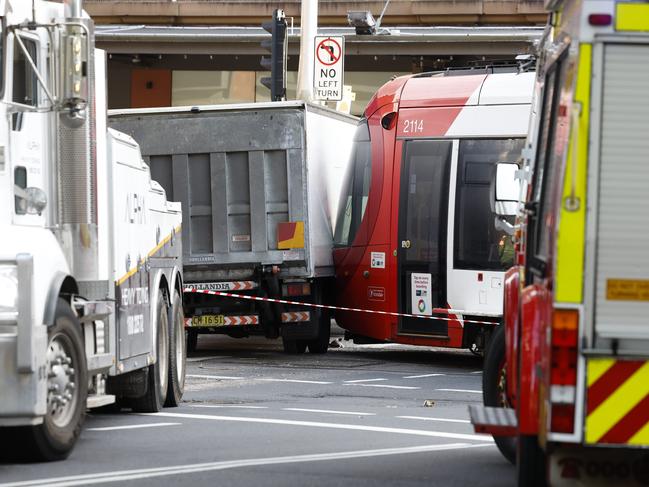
(494, 421)
(99, 400)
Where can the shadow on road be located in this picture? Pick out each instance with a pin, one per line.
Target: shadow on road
(347, 354)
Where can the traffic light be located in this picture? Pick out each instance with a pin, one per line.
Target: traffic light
(277, 45)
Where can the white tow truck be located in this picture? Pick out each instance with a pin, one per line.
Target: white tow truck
(90, 249)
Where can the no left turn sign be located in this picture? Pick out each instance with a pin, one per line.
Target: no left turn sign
(329, 68)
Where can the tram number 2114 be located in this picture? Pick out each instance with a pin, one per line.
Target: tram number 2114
(413, 126)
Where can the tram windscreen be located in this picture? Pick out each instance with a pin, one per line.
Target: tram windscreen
(479, 243)
(355, 188)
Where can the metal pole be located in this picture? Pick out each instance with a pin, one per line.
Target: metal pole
(73, 9)
(385, 7)
(308, 31)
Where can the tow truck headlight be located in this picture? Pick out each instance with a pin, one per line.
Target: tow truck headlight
(8, 288)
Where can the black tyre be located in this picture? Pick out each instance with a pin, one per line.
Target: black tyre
(294, 347)
(191, 336)
(67, 392)
(321, 343)
(177, 353)
(158, 373)
(322, 317)
(494, 387)
(530, 462)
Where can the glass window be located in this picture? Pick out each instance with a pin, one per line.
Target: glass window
(20, 181)
(212, 87)
(364, 84)
(424, 194)
(262, 94)
(25, 82)
(2, 58)
(355, 189)
(478, 243)
(545, 176)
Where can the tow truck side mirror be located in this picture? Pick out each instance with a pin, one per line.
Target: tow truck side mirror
(505, 189)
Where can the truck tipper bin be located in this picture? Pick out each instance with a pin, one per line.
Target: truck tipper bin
(259, 184)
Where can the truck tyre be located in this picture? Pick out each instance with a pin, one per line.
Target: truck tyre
(530, 462)
(322, 318)
(177, 353)
(192, 340)
(494, 387)
(294, 347)
(67, 391)
(321, 343)
(158, 372)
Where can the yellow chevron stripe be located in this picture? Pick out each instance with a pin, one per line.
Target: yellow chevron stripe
(597, 368)
(618, 404)
(641, 437)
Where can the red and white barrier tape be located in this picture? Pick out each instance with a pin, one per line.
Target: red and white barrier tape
(340, 308)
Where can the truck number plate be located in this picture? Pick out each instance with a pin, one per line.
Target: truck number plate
(208, 320)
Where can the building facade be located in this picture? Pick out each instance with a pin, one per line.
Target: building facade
(184, 52)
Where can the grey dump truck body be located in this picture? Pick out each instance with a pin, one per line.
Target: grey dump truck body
(259, 184)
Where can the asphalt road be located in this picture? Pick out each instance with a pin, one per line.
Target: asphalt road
(359, 415)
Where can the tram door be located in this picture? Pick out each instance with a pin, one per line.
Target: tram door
(422, 233)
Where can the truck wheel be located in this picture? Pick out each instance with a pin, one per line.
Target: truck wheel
(192, 340)
(67, 391)
(321, 343)
(322, 317)
(177, 353)
(494, 387)
(158, 373)
(294, 347)
(530, 462)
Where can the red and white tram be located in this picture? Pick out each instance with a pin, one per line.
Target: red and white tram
(416, 231)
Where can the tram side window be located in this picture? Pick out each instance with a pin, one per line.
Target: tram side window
(355, 189)
(478, 243)
(25, 82)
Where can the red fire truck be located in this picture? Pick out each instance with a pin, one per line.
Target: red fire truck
(566, 380)
(416, 232)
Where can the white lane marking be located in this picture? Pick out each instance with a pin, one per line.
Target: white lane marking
(362, 380)
(225, 377)
(131, 426)
(237, 406)
(422, 376)
(384, 385)
(215, 377)
(445, 420)
(317, 424)
(201, 359)
(477, 372)
(296, 381)
(353, 413)
(460, 390)
(145, 473)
